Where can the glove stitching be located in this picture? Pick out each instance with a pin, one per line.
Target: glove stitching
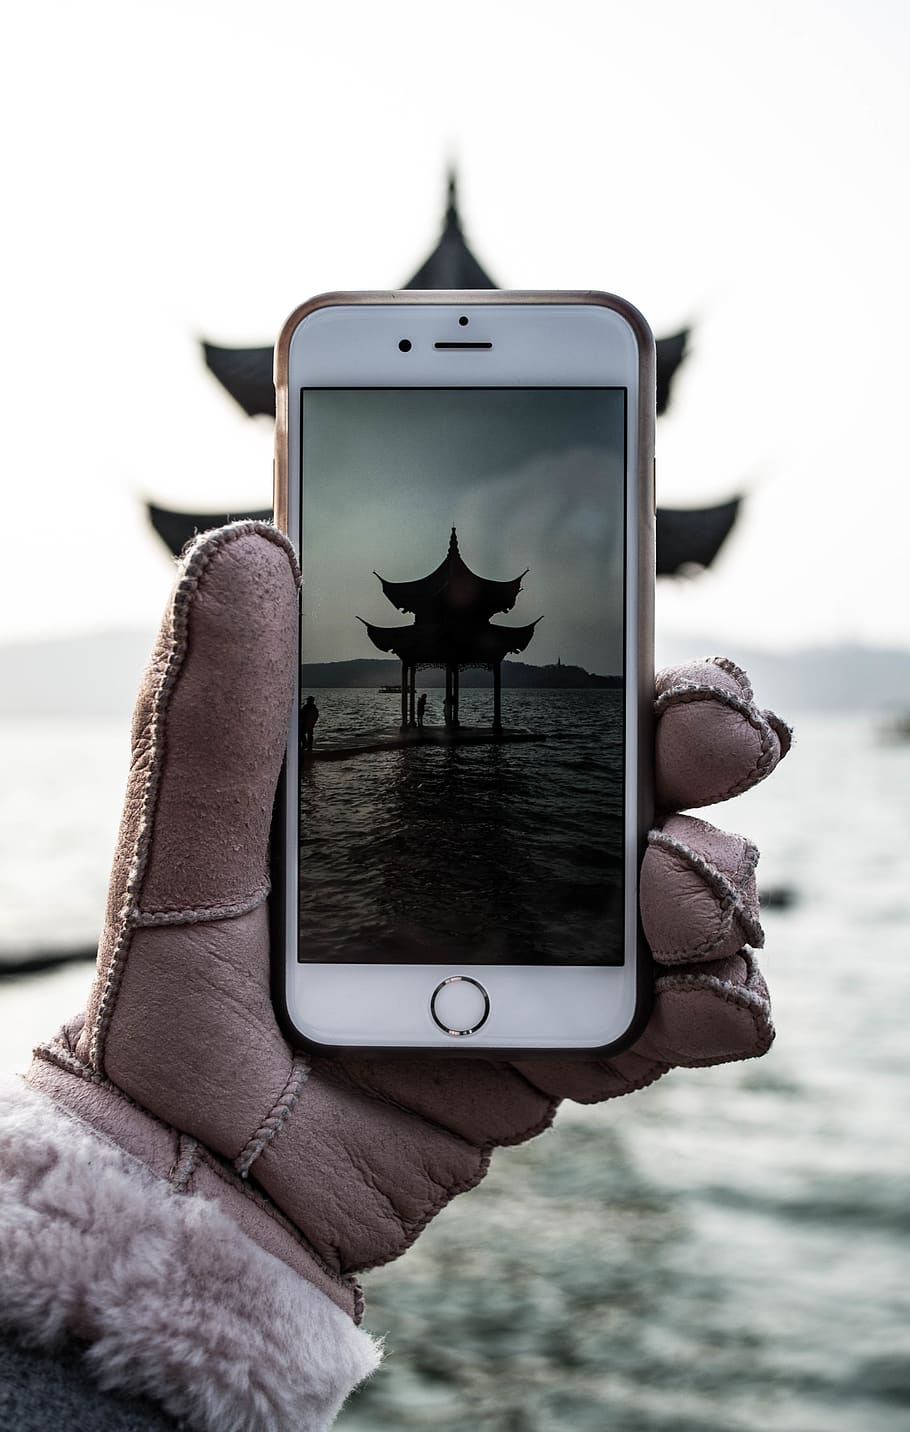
(185, 1163)
(197, 559)
(54, 1053)
(730, 893)
(739, 676)
(754, 975)
(142, 919)
(743, 997)
(687, 692)
(275, 1118)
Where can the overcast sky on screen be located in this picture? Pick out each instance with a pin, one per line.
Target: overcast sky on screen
(532, 480)
(198, 169)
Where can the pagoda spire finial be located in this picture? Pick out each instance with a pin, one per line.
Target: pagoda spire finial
(452, 220)
(453, 542)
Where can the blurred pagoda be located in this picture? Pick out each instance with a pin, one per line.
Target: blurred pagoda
(452, 607)
(686, 537)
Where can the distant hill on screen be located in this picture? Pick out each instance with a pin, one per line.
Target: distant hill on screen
(372, 674)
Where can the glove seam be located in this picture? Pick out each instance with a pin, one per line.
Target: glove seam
(689, 691)
(185, 1163)
(146, 919)
(729, 891)
(742, 996)
(275, 1119)
(739, 676)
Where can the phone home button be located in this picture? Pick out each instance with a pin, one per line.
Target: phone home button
(460, 1005)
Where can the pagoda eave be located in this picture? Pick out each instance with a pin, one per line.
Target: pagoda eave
(481, 600)
(429, 646)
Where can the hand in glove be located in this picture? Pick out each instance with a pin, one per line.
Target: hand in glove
(203, 1232)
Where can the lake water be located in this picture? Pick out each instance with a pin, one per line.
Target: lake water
(724, 1252)
(476, 852)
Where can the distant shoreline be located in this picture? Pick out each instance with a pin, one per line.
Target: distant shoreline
(365, 674)
(96, 674)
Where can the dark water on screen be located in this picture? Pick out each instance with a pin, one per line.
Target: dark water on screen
(480, 852)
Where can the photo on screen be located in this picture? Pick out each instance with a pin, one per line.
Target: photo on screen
(461, 718)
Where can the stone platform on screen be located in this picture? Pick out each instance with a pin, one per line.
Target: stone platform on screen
(392, 738)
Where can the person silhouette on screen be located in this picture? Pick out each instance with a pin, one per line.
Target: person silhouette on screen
(309, 715)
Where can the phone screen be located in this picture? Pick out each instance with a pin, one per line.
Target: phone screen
(462, 678)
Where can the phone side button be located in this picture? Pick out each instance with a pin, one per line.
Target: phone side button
(460, 1006)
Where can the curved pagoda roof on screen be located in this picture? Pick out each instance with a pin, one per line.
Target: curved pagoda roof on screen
(453, 588)
(452, 607)
(443, 644)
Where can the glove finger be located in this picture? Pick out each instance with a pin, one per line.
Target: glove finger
(209, 733)
(703, 1014)
(485, 1103)
(212, 725)
(588, 1081)
(711, 1013)
(711, 740)
(698, 896)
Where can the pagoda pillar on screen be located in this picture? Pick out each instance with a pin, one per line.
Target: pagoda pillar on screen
(455, 690)
(412, 697)
(497, 696)
(404, 695)
(447, 704)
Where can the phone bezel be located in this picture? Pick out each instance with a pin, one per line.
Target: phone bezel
(625, 989)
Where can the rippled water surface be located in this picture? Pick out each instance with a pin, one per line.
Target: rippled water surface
(485, 852)
(724, 1252)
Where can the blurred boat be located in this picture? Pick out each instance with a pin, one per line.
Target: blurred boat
(896, 731)
(46, 960)
(777, 897)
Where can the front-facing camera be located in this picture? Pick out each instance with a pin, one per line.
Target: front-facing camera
(405, 345)
(463, 321)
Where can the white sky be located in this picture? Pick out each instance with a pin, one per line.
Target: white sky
(193, 168)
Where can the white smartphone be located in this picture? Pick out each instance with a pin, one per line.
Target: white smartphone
(469, 480)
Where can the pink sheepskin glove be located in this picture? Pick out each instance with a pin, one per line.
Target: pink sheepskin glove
(190, 1197)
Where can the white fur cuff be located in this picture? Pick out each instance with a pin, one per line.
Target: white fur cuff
(173, 1300)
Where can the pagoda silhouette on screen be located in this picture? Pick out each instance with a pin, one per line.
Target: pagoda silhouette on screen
(687, 538)
(452, 607)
